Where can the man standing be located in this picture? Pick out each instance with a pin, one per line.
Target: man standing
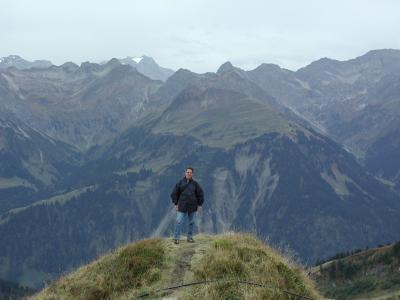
(187, 196)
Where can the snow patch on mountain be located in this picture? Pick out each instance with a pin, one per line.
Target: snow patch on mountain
(137, 59)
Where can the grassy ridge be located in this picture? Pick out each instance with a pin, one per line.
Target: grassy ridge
(149, 265)
(245, 258)
(223, 119)
(128, 268)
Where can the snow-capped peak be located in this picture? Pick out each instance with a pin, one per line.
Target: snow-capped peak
(137, 59)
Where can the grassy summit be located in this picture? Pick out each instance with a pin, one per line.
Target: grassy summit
(149, 265)
(222, 118)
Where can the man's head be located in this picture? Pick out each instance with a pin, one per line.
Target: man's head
(189, 173)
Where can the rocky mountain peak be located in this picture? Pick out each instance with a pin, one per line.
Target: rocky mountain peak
(69, 66)
(148, 67)
(147, 60)
(136, 61)
(381, 53)
(384, 60)
(320, 64)
(88, 67)
(225, 67)
(182, 75)
(268, 67)
(114, 62)
(18, 62)
(11, 58)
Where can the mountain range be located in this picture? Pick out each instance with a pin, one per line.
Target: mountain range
(90, 153)
(72, 103)
(355, 102)
(144, 64)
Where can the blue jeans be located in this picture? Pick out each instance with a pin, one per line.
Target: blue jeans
(180, 216)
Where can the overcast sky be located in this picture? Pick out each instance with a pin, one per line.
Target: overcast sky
(198, 35)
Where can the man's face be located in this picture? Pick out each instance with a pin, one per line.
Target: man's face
(188, 174)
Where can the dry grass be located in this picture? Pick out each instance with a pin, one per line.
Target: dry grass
(243, 257)
(132, 267)
(153, 264)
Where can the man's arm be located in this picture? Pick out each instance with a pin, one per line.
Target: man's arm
(199, 195)
(175, 194)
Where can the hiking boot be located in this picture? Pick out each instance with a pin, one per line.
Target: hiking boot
(176, 241)
(190, 240)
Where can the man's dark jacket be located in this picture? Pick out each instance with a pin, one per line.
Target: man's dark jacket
(187, 195)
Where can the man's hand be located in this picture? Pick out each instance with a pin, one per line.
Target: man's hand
(176, 207)
(200, 208)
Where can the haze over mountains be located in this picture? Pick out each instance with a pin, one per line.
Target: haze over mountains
(89, 154)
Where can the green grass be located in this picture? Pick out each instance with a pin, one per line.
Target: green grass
(150, 265)
(367, 274)
(157, 163)
(368, 287)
